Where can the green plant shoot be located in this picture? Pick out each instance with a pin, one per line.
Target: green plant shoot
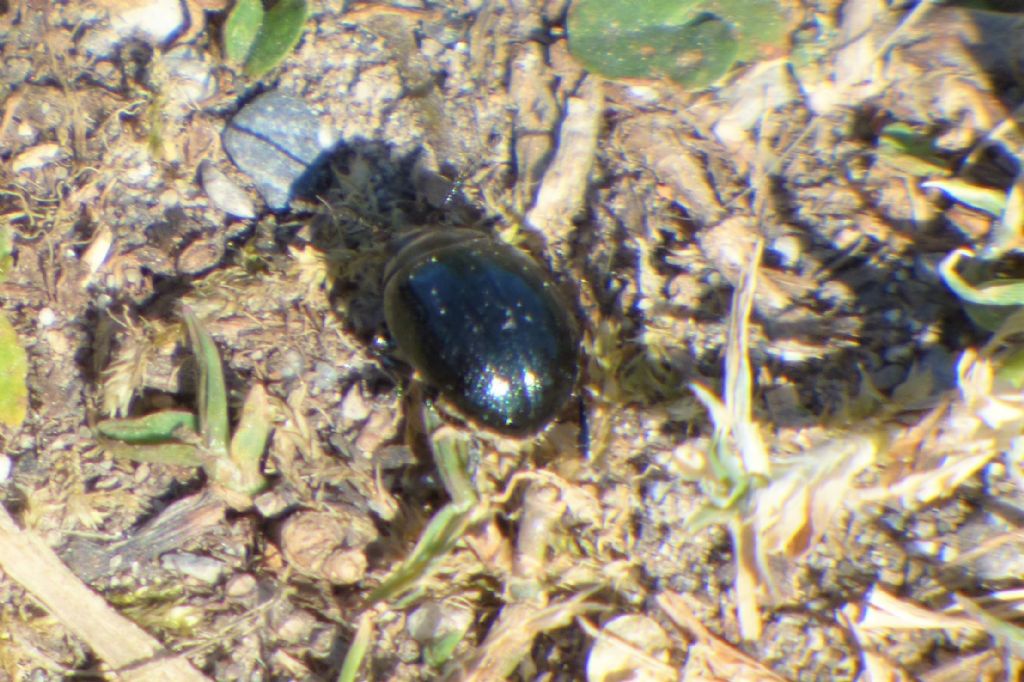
(451, 455)
(260, 40)
(178, 437)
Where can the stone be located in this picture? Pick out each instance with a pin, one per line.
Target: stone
(280, 143)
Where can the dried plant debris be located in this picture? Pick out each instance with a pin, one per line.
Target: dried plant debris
(793, 451)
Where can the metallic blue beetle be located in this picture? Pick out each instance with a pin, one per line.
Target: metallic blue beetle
(485, 325)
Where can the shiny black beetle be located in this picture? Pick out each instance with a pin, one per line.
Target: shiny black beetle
(485, 325)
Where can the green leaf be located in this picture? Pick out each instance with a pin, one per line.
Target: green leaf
(358, 649)
(759, 25)
(213, 395)
(443, 532)
(250, 440)
(994, 292)
(13, 370)
(1008, 232)
(278, 35)
(180, 454)
(1011, 369)
(904, 148)
(447, 526)
(988, 317)
(6, 251)
(709, 515)
(241, 29)
(989, 303)
(159, 427)
(436, 654)
(691, 42)
(987, 199)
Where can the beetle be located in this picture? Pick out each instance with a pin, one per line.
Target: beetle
(485, 325)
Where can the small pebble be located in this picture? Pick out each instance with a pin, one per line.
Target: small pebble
(202, 568)
(290, 364)
(328, 545)
(47, 318)
(201, 255)
(345, 567)
(354, 407)
(37, 157)
(278, 142)
(190, 79)
(322, 642)
(646, 643)
(156, 21)
(241, 585)
(24, 133)
(296, 627)
(645, 94)
(326, 378)
(789, 249)
(436, 620)
(224, 193)
(380, 428)
(271, 504)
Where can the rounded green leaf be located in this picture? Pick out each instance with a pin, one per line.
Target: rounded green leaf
(652, 40)
(759, 25)
(692, 42)
(13, 370)
(278, 35)
(241, 29)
